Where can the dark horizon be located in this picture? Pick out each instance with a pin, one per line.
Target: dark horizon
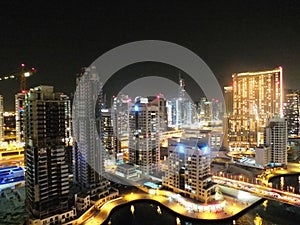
(58, 38)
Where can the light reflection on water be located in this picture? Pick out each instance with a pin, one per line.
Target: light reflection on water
(287, 182)
(281, 183)
(271, 212)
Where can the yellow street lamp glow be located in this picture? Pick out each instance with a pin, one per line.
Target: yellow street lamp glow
(152, 192)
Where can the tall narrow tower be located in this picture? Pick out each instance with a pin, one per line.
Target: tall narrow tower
(276, 138)
(88, 148)
(46, 121)
(19, 107)
(183, 106)
(292, 112)
(144, 135)
(120, 117)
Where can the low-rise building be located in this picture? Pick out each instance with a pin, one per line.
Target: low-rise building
(126, 170)
(262, 155)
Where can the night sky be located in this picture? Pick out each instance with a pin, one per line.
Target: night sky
(58, 38)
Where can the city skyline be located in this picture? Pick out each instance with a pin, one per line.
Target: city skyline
(230, 37)
(88, 160)
(132, 88)
(194, 107)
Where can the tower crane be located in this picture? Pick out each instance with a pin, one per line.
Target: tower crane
(22, 75)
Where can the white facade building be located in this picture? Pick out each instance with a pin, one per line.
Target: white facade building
(262, 155)
(189, 169)
(88, 148)
(144, 135)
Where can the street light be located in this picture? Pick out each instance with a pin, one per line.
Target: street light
(241, 177)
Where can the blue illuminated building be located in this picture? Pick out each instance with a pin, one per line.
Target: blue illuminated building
(136, 108)
(11, 174)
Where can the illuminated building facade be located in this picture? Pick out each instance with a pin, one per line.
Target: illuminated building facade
(181, 101)
(120, 120)
(161, 103)
(205, 110)
(19, 107)
(9, 126)
(217, 110)
(228, 97)
(291, 112)
(175, 110)
(257, 97)
(88, 149)
(183, 110)
(107, 133)
(144, 135)
(276, 138)
(189, 169)
(46, 120)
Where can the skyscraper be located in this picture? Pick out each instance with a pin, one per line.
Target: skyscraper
(276, 138)
(107, 134)
(228, 97)
(144, 147)
(120, 119)
(205, 110)
(161, 103)
(291, 112)
(9, 126)
(184, 107)
(189, 169)
(19, 107)
(46, 117)
(88, 148)
(257, 97)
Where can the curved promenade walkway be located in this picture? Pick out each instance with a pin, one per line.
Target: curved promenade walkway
(232, 207)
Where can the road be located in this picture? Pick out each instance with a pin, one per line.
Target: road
(16, 161)
(163, 197)
(266, 192)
